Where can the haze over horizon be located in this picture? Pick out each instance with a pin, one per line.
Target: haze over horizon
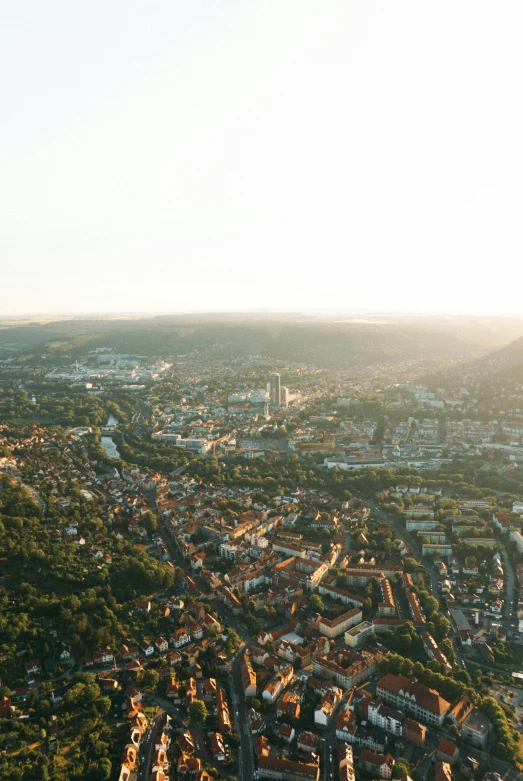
(297, 156)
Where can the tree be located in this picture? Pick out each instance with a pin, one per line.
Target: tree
(401, 768)
(197, 712)
(316, 603)
(150, 679)
(104, 769)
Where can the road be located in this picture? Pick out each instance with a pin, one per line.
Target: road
(400, 533)
(511, 584)
(148, 748)
(329, 756)
(433, 580)
(245, 755)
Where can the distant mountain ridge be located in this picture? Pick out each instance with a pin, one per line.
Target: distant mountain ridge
(506, 362)
(324, 342)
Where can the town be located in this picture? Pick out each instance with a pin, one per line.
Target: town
(259, 571)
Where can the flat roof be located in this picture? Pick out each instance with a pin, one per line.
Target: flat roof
(292, 637)
(460, 619)
(359, 628)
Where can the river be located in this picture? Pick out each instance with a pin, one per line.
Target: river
(108, 442)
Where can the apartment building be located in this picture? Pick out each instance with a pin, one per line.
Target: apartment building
(476, 729)
(248, 678)
(433, 651)
(412, 697)
(415, 524)
(340, 595)
(356, 636)
(277, 769)
(415, 608)
(388, 606)
(336, 626)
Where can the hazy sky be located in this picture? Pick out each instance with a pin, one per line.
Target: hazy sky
(160, 155)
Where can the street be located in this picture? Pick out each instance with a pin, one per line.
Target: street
(510, 583)
(148, 747)
(245, 755)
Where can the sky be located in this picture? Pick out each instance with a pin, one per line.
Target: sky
(327, 155)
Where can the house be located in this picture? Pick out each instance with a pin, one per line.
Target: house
(222, 712)
(191, 690)
(377, 764)
(161, 645)
(346, 726)
(143, 606)
(188, 765)
(286, 732)
(447, 751)
(307, 742)
(209, 690)
(146, 648)
(262, 746)
(105, 656)
(289, 705)
(174, 658)
(218, 747)
(277, 684)
(180, 638)
(248, 678)
(171, 687)
(324, 712)
(186, 743)
(442, 771)
(414, 732)
(32, 668)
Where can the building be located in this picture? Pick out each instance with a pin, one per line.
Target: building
(307, 742)
(412, 697)
(289, 705)
(275, 389)
(324, 712)
(420, 525)
(476, 729)
(442, 771)
(379, 765)
(433, 651)
(338, 625)
(388, 606)
(248, 678)
(285, 770)
(415, 608)
(444, 549)
(447, 751)
(346, 766)
(340, 595)
(357, 636)
(414, 732)
(463, 627)
(385, 718)
(517, 538)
